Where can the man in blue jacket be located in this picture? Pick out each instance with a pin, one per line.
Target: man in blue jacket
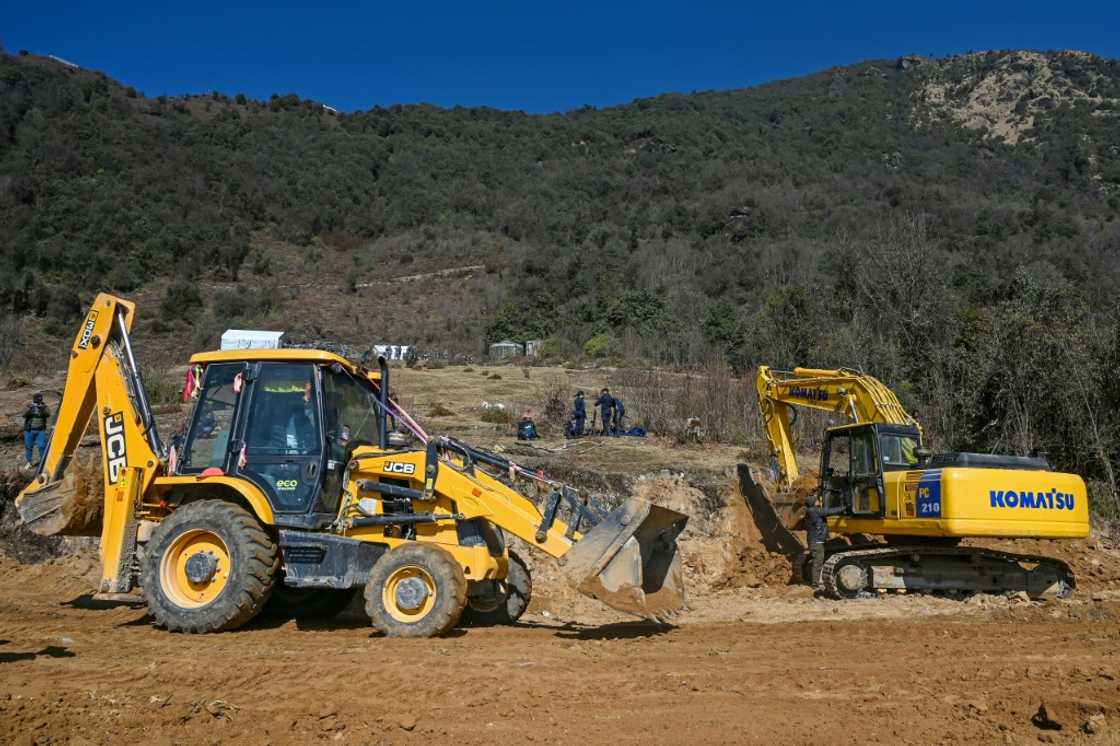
(35, 420)
(619, 413)
(605, 403)
(579, 416)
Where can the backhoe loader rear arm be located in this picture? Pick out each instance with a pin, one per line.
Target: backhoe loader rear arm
(102, 379)
(859, 397)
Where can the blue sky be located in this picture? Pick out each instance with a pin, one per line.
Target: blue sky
(536, 57)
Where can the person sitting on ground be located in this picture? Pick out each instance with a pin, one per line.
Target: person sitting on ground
(35, 419)
(605, 403)
(816, 534)
(526, 428)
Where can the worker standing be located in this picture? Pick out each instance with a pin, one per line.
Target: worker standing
(35, 419)
(579, 416)
(816, 533)
(619, 413)
(605, 403)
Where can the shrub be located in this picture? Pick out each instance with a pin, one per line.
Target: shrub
(162, 385)
(496, 416)
(600, 346)
(180, 300)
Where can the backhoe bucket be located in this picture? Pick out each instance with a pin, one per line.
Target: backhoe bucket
(630, 561)
(69, 507)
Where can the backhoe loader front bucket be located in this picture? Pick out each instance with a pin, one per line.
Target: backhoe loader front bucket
(630, 561)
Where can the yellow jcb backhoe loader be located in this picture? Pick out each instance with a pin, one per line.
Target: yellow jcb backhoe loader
(878, 471)
(299, 475)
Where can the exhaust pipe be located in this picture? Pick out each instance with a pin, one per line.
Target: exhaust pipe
(630, 561)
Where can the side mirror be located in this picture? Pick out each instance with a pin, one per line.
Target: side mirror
(923, 455)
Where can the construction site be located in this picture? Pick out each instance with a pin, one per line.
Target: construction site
(717, 638)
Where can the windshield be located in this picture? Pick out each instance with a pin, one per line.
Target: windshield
(898, 451)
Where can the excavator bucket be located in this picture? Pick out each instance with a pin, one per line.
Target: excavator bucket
(630, 561)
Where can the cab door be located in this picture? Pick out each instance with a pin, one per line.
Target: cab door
(851, 474)
(281, 445)
(866, 473)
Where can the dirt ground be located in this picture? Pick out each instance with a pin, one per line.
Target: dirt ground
(75, 671)
(754, 659)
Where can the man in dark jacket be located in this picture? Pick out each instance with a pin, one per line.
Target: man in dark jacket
(816, 533)
(35, 420)
(579, 416)
(605, 403)
(619, 413)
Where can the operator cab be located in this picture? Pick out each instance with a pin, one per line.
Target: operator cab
(854, 459)
(287, 424)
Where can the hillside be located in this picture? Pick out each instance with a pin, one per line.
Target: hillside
(949, 224)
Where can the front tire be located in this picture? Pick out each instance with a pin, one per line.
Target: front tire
(415, 590)
(518, 587)
(209, 567)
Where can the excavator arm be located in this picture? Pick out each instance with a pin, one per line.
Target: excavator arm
(102, 382)
(857, 396)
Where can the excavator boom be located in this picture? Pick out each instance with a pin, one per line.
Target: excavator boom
(857, 396)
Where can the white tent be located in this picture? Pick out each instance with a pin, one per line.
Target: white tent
(250, 339)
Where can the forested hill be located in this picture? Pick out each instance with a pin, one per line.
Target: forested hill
(949, 224)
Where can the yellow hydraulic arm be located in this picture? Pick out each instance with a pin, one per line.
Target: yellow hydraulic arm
(103, 380)
(860, 397)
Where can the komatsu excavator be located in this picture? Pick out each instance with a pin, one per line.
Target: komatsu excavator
(887, 483)
(300, 475)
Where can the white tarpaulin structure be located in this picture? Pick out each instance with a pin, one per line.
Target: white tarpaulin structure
(250, 339)
(393, 352)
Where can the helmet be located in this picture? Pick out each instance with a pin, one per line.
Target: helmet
(38, 398)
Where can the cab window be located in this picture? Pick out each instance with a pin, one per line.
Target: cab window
(350, 410)
(898, 452)
(208, 439)
(350, 415)
(284, 417)
(863, 452)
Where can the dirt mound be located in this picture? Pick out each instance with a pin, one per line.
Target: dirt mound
(721, 548)
(20, 543)
(15, 540)
(1095, 561)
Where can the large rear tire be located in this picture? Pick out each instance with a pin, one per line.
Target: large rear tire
(210, 567)
(517, 591)
(415, 590)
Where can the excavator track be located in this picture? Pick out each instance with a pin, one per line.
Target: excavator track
(929, 568)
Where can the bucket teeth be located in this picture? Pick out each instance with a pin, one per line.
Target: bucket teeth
(630, 561)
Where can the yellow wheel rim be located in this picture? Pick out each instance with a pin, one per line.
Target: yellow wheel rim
(409, 594)
(195, 568)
